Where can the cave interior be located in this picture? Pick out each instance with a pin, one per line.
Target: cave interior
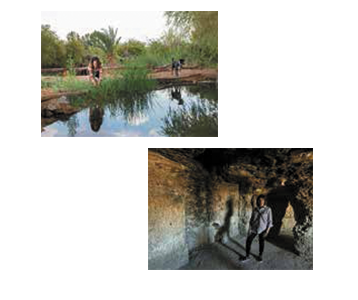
(202, 197)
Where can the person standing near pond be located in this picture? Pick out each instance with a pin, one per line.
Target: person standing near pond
(95, 70)
(260, 224)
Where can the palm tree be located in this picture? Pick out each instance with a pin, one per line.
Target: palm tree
(106, 39)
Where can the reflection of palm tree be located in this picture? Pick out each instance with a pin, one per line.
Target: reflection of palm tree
(72, 125)
(96, 117)
(176, 95)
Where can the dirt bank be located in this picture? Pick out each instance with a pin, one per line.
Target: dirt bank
(163, 77)
(188, 73)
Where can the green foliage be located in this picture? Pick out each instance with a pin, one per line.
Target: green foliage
(45, 83)
(70, 66)
(151, 59)
(135, 77)
(192, 35)
(134, 80)
(196, 120)
(106, 40)
(160, 52)
(70, 83)
(75, 48)
(103, 44)
(53, 51)
(157, 47)
(202, 28)
(100, 53)
(131, 48)
(173, 39)
(182, 20)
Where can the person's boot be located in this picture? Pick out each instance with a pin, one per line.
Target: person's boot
(259, 259)
(245, 258)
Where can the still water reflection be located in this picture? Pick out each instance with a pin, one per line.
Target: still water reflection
(176, 111)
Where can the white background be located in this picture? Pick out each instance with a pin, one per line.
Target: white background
(73, 214)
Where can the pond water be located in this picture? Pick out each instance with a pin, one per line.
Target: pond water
(175, 111)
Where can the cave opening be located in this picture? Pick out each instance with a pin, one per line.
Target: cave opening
(281, 234)
(200, 202)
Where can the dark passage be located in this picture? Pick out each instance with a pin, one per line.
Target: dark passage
(201, 201)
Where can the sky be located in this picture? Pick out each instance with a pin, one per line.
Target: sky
(139, 25)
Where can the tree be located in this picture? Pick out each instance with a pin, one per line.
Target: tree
(75, 48)
(172, 38)
(53, 51)
(181, 20)
(131, 48)
(106, 39)
(202, 29)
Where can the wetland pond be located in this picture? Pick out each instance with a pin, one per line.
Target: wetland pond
(180, 111)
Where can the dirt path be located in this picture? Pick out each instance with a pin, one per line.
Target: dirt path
(164, 77)
(207, 73)
(204, 73)
(225, 256)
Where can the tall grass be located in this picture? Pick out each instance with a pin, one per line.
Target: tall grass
(70, 83)
(132, 80)
(135, 77)
(193, 55)
(46, 83)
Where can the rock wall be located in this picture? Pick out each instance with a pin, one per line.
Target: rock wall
(198, 196)
(286, 177)
(224, 215)
(167, 248)
(179, 200)
(186, 210)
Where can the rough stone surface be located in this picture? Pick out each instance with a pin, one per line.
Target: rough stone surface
(57, 107)
(216, 188)
(225, 256)
(186, 209)
(167, 248)
(224, 217)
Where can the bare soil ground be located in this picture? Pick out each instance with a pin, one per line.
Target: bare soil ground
(225, 256)
(185, 74)
(205, 73)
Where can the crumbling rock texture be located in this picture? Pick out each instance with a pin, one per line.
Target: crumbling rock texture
(166, 214)
(60, 107)
(216, 186)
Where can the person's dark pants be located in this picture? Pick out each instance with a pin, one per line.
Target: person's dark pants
(249, 240)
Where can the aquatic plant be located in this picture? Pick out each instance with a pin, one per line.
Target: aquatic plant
(70, 83)
(199, 119)
(135, 77)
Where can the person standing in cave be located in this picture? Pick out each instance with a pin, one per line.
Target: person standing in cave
(260, 224)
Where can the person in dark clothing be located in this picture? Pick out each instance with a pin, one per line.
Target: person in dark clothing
(260, 224)
(95, 70)
(177, 65)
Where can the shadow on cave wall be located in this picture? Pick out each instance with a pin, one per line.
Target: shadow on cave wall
(225, 228)
(278, 200)
(197, 209)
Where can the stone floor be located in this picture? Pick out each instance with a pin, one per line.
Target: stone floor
(278, 255)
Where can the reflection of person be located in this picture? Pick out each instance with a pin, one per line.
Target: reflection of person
(176, 94)
(95, 70)
(96, 117)
(260, 224)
